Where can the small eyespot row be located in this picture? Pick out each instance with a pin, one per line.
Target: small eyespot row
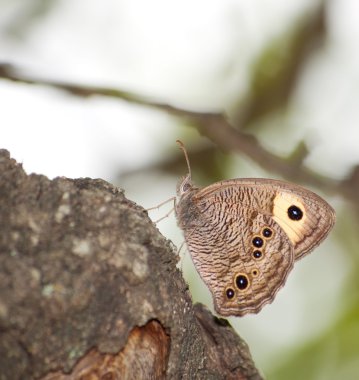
(267, 232)
(254, 272)
(229, 293)
(242, 281)
(257, 242)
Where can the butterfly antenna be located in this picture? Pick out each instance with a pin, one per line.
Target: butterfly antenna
(180, 143)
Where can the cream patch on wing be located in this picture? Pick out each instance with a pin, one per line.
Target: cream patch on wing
(295, 229)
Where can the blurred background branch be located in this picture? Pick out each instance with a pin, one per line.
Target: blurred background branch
(217, 128)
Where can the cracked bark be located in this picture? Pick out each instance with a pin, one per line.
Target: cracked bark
(89, 289)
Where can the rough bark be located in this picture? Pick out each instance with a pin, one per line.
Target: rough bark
(89, 289)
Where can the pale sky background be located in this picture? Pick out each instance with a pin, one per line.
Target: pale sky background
(182, 53)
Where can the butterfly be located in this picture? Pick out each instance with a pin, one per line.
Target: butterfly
(244, 236)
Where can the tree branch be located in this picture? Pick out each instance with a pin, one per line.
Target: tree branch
(90, 289)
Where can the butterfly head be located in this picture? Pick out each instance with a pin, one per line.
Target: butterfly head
(184, 186)
(186, 211)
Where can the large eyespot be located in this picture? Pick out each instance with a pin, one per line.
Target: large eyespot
(242, 282)
(267, 232)
(229, 293)
(257, 254)
(295, 213)
(257, 241)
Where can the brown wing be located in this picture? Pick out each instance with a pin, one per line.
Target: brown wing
(224, 225)
(304, 216)
(243, 256)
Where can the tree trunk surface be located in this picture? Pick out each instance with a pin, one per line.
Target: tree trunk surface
(89, 289)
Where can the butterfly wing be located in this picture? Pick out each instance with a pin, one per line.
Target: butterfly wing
(244, 235)
(242, 267)
(305, 217)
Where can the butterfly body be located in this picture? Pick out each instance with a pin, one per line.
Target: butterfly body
(244, 236)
